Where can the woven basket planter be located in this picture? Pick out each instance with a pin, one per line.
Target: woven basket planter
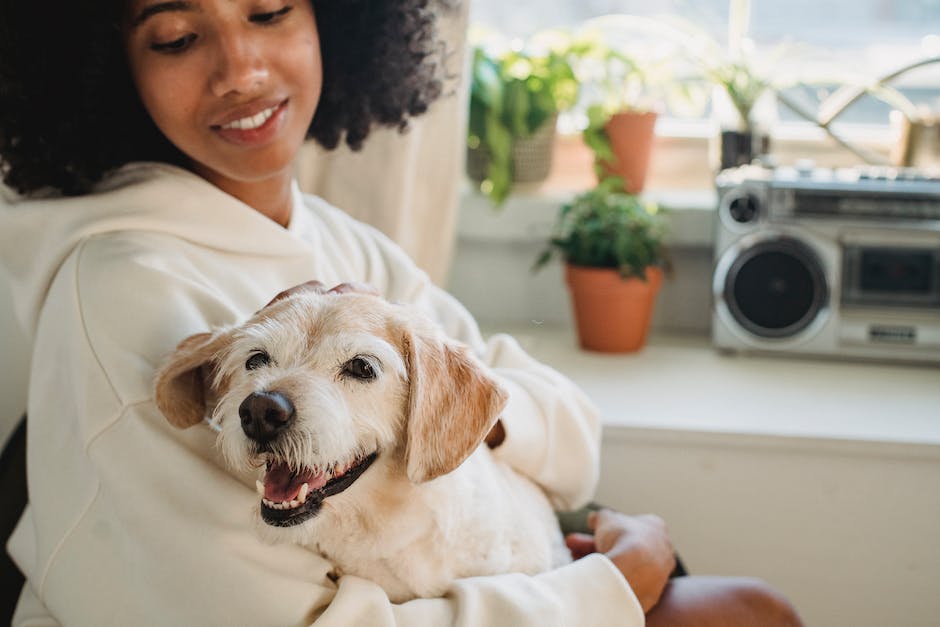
(531, 156)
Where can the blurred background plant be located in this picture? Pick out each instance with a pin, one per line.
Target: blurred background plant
(517, 90)
(627, 73)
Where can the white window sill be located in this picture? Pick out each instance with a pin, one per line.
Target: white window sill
(681, 386)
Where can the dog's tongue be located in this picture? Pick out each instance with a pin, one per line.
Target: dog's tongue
(281, 484)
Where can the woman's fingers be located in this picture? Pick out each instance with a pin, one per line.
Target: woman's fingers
(320, 288)
(580, 544)
(359, 288)
(315, 286)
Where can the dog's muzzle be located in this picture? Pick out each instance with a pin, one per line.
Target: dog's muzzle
(265, 414)
(290, 497)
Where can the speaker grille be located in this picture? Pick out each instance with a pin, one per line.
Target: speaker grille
(776, 288)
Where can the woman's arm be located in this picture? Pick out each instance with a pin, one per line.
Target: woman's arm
(152, 529)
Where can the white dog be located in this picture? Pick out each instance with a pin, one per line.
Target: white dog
(368, 424)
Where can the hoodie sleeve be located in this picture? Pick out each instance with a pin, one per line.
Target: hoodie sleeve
(134, 522)
(586, 593)
(552, 428)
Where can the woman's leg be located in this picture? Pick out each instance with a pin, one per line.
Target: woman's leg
(721, 602)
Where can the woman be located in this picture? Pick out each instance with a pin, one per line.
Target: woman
(154, 142)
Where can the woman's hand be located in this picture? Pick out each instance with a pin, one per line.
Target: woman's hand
(639, 547)
(320, 288)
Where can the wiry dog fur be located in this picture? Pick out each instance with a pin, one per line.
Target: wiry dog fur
(434, 505)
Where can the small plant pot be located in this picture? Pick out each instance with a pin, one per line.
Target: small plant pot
(737, 148)
(612, 314)
(918, 144)
(631, 136)
(531, 156)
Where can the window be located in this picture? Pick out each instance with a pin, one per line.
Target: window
(874, 36)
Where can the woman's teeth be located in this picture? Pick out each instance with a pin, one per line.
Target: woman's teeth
(253, 121)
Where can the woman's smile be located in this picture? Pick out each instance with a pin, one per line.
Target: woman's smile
(252, 129)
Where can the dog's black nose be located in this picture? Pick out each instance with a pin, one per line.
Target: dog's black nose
(265, 414)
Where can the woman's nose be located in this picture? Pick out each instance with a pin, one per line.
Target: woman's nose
(240, 66)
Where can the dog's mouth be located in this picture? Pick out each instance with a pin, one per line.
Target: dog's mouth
(291, 497)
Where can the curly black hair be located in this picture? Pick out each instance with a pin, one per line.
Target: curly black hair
(69, 111)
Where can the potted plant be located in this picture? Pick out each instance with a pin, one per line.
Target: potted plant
(622, 90)
(515, 97)
(744, 82)
(612, 244)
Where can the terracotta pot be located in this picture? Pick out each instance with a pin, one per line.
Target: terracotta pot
(612, 314)
(631, 136)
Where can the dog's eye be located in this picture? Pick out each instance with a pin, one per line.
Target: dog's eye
(257, 360)
(360, 368)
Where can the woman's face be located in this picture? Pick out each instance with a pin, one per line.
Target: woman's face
(233, 84)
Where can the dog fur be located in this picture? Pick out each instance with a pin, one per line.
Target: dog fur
(434, 505)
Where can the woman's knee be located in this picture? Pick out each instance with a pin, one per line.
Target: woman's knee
(722, 602)
(762, 601)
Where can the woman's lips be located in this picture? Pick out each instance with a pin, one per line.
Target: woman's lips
(253, 129)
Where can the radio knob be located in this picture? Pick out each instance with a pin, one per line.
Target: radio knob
(743, 209)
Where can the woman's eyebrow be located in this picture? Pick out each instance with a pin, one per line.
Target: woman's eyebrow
(160, 7)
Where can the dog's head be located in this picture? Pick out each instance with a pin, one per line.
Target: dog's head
(316, 387)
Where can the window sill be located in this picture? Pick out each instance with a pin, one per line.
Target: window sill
(680, 386)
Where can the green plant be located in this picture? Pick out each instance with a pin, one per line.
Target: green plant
(606, 227)
(735, 68)
(512, 94)
(624, 64)
(617, 82)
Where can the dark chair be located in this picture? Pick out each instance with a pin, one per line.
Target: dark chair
(12, 502)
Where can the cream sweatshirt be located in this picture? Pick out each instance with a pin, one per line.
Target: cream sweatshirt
(132, 522)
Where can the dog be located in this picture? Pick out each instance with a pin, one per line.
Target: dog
(367, 425)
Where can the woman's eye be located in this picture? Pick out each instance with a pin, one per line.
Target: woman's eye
(177, 45)
(359, 368)
(271, 16)
(257, 360)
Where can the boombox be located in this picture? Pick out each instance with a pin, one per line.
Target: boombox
(838, 263)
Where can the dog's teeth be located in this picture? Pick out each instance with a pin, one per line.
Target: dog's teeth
(302, 495)
(293, 504)
(260, 487)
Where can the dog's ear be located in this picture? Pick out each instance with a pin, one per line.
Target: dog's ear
(182, 386)
(452, 404)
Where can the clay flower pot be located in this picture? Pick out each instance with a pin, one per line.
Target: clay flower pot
(631, 137)
(613, 314)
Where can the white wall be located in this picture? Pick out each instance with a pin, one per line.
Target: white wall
(14, 365)
(846, 531)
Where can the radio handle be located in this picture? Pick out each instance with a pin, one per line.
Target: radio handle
(833, 106)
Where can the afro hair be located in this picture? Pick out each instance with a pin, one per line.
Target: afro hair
(69, 111)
